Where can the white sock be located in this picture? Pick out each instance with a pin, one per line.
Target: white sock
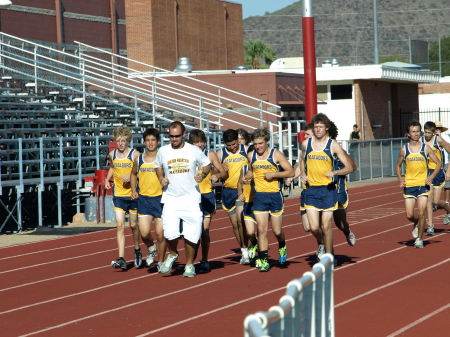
(152, 248)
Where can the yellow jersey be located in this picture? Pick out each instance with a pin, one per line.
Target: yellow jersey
(149, 184)
(121, 168)
(206, 184)
(235, 162)
(438, 151)
(318, 163)
(260, 167)
(416, 167)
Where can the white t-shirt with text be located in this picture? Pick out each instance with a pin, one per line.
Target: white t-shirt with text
(180, 166)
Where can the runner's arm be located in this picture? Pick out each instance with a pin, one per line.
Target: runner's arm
(398, 165)
(133, 179)
(429, 152)
(110, 172)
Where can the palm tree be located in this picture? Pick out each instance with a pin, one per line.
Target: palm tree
(255, 49)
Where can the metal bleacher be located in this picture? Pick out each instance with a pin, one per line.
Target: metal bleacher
(59, 105)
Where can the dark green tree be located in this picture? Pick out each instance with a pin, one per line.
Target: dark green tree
(445, 56)
(256, 49)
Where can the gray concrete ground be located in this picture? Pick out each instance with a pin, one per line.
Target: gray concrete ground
(75, 228)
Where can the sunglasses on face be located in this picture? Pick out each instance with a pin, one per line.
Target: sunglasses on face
(176, 136)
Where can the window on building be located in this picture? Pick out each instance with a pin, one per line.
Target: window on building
(322, 92)
(342, 91)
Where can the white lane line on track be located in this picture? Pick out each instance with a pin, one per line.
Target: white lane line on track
(76, 257)
(211, 230)
(420, 320)
(391, 283)
(175, 292)
(136, 278)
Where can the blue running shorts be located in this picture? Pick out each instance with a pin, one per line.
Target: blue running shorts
(268, 202)
(248, 212)
(125, 204)
(439, 180)
(342, 198)
(150, 206)
(416, 191)
(321, 198)
(229, 197)
(209, 204)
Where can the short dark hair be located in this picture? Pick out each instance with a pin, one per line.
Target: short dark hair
(197, 136)
(176, 124)
(412, 123)
(355, 126)
(151, 132)
(230, 135)
(309, 126)
(429, 126)
(321, 118)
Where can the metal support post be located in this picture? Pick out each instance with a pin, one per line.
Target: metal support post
(41, 186)
(200, 109)
(80, 176)
(219, 102)
(261, 124)
(359, 160)
(136, 113)
(60, 183)
(19, 191)
(370, 159)
(35, 69)
(271, 134)
(280, 137)
(97, 152)
(381, 159)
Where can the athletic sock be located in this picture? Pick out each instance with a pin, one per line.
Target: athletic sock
(264, 254)
(137, 250)
(121, 258)
(281, 244)
(254, 242)
(152, 248)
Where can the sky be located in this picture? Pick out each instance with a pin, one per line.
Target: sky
(259, 7)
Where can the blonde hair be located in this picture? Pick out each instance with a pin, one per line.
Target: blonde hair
(122, 132)
(261, 133)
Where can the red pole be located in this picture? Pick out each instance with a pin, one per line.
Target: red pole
(309, 55)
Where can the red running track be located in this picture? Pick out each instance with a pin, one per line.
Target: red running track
(383, 286)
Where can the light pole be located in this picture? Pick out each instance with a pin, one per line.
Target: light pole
(357, 41)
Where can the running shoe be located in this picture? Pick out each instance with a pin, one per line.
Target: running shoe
(158, 267)
(244, 259)
(119, 263)
(265, 266)
(415, 232)
(447, 219)
(418, 243)
(150, 256)
(434, 206)
(203, 267)
(166, 266)
(252, 250)
(137, 258)
(258, 263)
(189, 271)
(351, 239)
(320, 252)
(282, 254)
(430, 231)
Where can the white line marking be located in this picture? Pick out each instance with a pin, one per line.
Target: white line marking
(391, 283)
(420, 320)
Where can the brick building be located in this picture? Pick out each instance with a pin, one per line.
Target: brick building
(155, 32)
(209, 32)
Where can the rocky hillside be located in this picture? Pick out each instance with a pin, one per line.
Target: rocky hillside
(337, 24)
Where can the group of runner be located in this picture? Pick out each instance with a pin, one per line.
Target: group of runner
(173, 186)
(425, 176)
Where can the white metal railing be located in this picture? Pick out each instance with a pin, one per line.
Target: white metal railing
(164, 91)
(161, 82)
(306, 309)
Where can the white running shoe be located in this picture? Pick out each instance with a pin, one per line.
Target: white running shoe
(447, 219)
(189, 271)
(415, 232)
(244, 259)
(430, 231)
(167, 265)
(150, 256)
(418, 243)
(320, 252)
(351, 239)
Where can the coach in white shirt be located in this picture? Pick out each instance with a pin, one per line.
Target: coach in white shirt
(176, 166)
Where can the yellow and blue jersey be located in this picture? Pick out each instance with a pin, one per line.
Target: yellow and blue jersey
(416, 166)
(318, 163)
(121, 168)
(149, 184)
(235, 162)
(340, 180)
(206, 184)
(438, 151)
(247, 186)
(260, 167)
